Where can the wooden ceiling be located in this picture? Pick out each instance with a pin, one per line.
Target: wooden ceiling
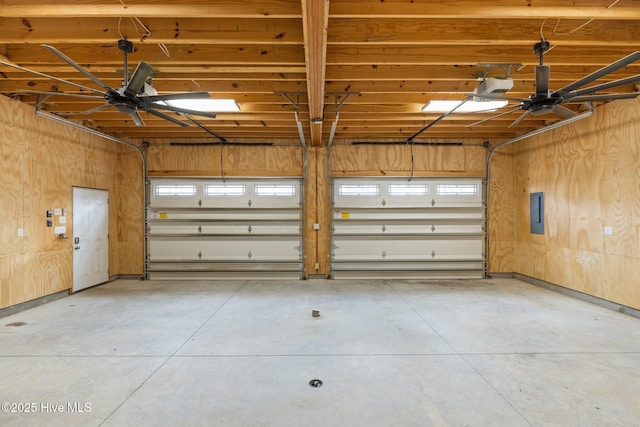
(369, 64)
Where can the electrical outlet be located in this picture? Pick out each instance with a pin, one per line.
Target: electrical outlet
(608, 231)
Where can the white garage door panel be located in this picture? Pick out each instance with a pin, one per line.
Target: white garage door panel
(210, 228)
(404, 249)
(429, 227)
(224, 214)
(424, 213)
(224, 249)
(383, 228)
(224, 228)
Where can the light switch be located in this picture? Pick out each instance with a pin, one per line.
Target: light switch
(316, 226)
(608, 231)
(62, 220)
(20, 232)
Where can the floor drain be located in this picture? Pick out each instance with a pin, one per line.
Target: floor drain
(16, 324)
(315, 383)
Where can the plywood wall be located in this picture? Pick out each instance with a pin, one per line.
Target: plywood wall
(396, 160)
(589, 172)
(41, 161)
(501, 212)
(164, 159)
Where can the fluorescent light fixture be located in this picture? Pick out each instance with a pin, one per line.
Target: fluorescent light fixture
(206, 104)
(441, 106)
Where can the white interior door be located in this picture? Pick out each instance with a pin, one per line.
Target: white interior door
(90, 237)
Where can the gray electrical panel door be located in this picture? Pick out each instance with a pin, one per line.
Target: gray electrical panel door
(233, 228)
(423, 228)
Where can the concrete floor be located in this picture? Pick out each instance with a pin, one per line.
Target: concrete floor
(494, 352)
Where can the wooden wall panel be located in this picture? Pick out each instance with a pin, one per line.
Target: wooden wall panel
(12, 189)
(311, 206)
(395, 159)
(263, 160)
(11, 272)
(589, 173)
(368, 159)
(620, 270)
(183, 159)
(620, 189)
(41, 161)
(204, 160)
(501, 211)
(129, 202)
(439, 158)
(323, 192)
(47, 272)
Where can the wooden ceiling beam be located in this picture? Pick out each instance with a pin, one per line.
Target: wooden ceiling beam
(232, 87)
(170, 31)
(158, 8)
(315, 18)
(202, 55)
(411, 31)
(472, 55)
(429, 72)
(510, 9)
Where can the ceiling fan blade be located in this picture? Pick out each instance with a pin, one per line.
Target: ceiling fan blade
(178, 110)
(520, 119)
(87, 112)
(623, 62)
(140, 75)
(95, 110)
(492, 96)
(493, 117)
(167, 117)
(602, 97)
(604, 86)
(136, 118)
(77, 66)
(173, 96)
(37, 73)
(75, 95)
(542, 80)
(564, 112)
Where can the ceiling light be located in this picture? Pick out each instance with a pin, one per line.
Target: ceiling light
(442, 106)
(206, 104)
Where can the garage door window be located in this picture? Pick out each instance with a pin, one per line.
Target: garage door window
(284, 190)
(220, 190)
(408, 189)
(359, 190)
(457, 189)
(174, 190)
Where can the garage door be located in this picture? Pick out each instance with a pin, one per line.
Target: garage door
(209, 229)
(412, 229)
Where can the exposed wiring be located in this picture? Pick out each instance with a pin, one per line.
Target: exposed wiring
(164, 49)
(146, 32)
(136, 23)
(568, 33)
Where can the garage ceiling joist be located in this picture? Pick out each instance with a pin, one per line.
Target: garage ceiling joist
(395, 56)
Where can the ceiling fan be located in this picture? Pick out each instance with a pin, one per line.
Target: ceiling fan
(136, 93)
(545, 100)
